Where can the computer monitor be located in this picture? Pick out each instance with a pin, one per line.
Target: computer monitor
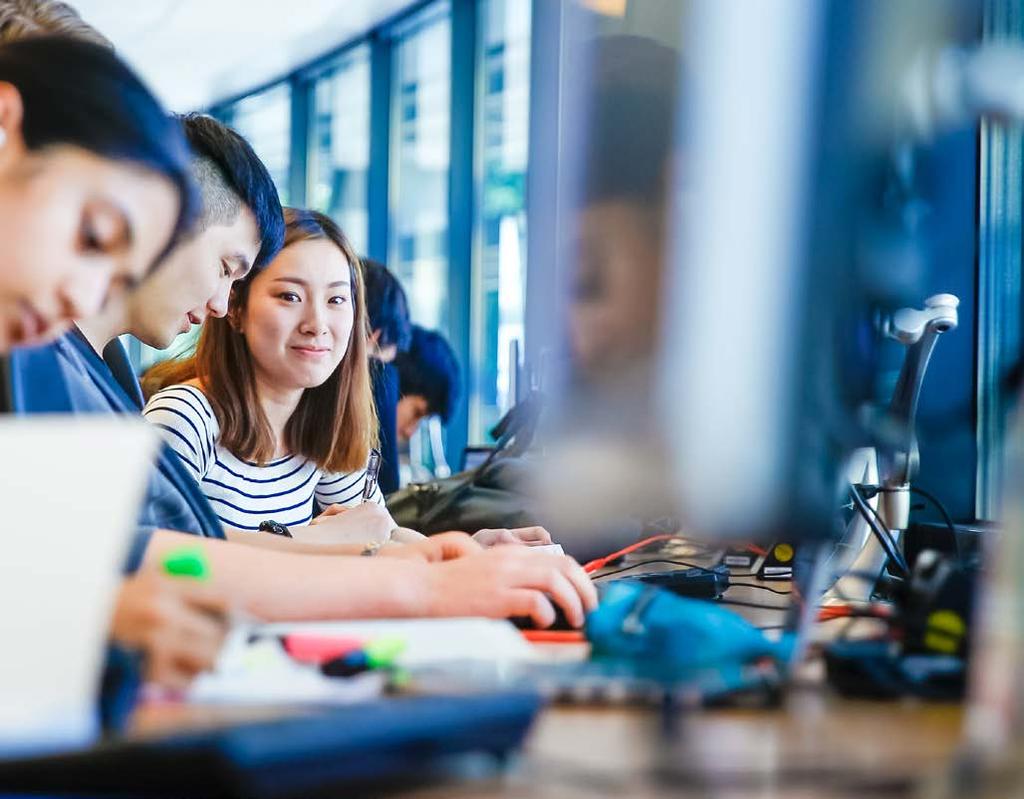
(715, 225)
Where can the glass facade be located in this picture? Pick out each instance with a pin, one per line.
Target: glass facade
(342, 101)
(265, 119)
(339, 145)
(499, 253)
(420, 151)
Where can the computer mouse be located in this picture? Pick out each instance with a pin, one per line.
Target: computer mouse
(561, 623)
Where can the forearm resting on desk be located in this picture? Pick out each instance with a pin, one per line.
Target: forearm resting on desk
(297, 546)
(500, 582)
(275, 584)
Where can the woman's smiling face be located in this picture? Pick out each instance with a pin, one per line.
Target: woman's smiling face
(299, 315)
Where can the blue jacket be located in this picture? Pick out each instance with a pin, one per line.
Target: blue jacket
(68, 376)
(385, 397)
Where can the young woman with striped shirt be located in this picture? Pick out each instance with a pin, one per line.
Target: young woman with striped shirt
(274, 415)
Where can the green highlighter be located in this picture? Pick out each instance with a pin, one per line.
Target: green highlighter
(382, 652)
(187, 562)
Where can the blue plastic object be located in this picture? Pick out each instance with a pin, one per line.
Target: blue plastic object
(674, 634)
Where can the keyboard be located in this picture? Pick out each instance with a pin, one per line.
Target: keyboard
(417, 737)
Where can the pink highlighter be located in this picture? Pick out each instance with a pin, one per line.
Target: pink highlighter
(319, 649)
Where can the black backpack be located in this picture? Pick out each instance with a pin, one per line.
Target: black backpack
(492, 495)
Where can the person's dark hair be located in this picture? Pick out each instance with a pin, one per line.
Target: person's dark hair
(229, 173)
(81, 94)
(387, 306)
(430, 370)
(631, 123)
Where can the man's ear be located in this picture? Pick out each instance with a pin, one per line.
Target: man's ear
(12, 112)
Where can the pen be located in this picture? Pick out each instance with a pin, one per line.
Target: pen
(372, 469)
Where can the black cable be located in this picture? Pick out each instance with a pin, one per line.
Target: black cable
(945, 516)
(880, 530)
(762, 587)
(760, 606)
(660, 560)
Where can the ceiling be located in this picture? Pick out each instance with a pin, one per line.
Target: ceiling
(194, 52)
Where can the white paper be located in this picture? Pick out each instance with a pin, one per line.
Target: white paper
(70, 489)
(549, 549)
(263, 673)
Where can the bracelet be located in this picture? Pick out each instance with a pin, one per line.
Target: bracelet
(371, 549)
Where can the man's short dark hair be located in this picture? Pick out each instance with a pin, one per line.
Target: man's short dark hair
(227, 171)
(430, 370)
(386, 306)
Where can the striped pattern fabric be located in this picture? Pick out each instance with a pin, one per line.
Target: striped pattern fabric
(243, 494)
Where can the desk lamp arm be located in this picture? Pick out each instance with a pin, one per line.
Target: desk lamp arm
(919, 330)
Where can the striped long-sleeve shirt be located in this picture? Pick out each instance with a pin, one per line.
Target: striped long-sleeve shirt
(243, 494)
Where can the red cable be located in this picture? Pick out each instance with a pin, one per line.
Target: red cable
(600, 563)
(830, 612)
(554, 636)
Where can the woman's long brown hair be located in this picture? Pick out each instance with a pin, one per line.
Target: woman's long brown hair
(334, 425)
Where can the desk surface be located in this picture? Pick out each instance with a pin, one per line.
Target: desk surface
(815, 745)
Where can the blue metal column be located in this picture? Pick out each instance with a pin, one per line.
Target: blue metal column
(378, 175)
(542, 196)
(1000, 215)
(299, 151)
(461, 205)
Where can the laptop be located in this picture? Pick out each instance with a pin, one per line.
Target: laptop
(70, 489)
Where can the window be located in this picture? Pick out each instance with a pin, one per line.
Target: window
(265, 119)
(499, 257)
(420, 114)
(339, 145)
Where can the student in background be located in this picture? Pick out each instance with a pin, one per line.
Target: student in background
(616, 282)
(429, 385)
(93, 187)
(390, 334)
(428, 381)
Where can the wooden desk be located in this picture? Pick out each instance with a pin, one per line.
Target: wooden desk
(816, 745)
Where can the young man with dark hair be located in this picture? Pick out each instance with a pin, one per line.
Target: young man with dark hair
(241, 227)
(429, 384)
(390, 334)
